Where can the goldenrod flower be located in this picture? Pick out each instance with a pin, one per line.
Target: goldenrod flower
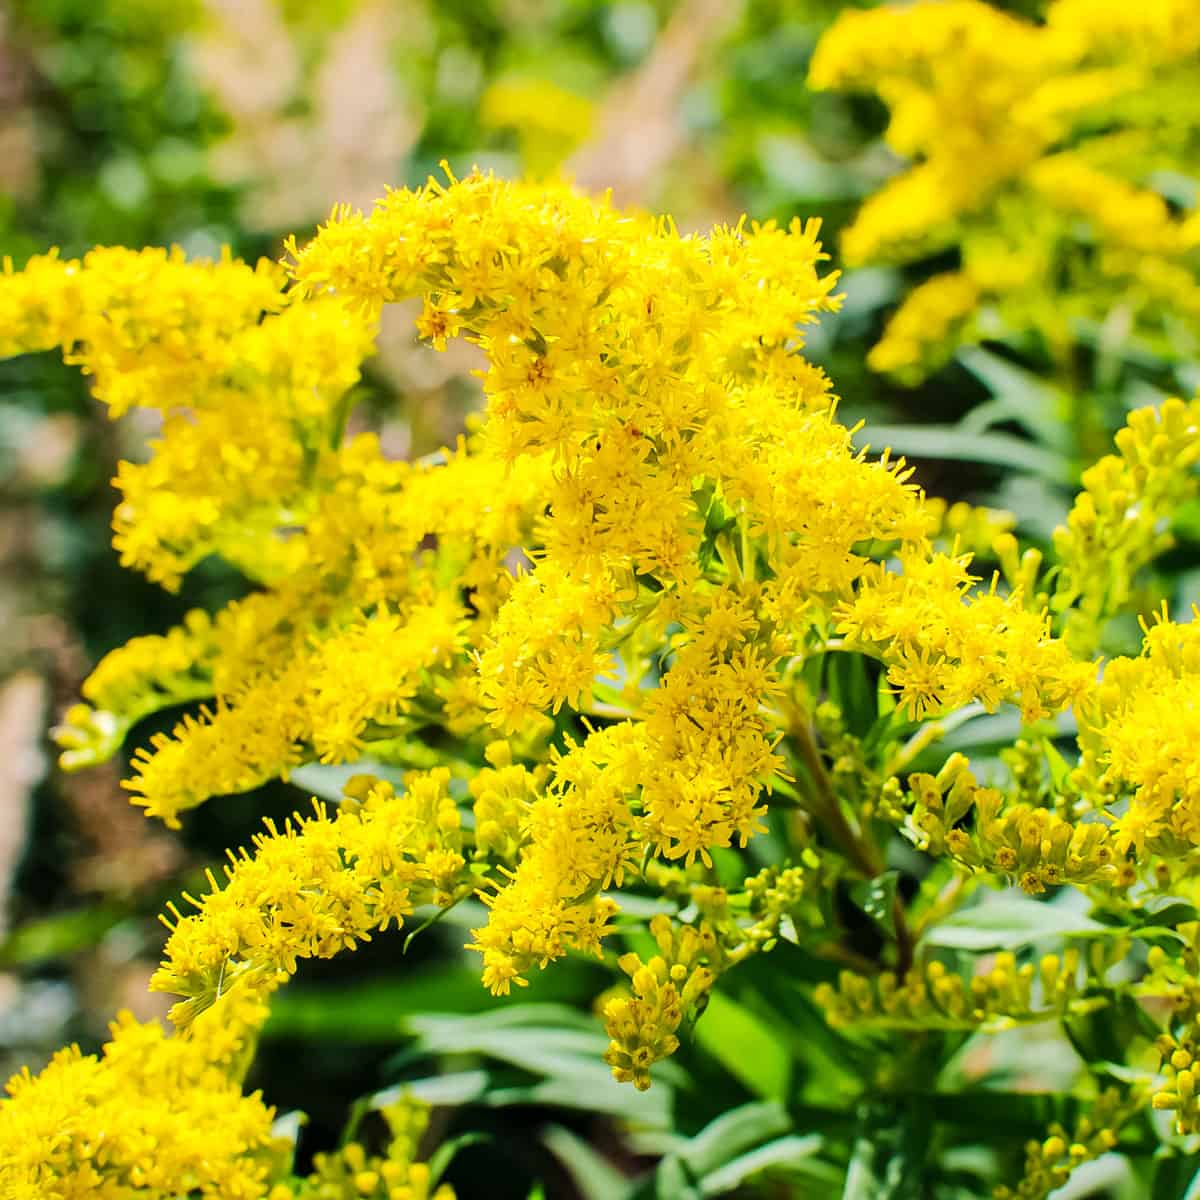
(1034, 150)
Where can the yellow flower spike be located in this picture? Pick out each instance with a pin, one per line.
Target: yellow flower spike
(933, 997)
(666, 990)
(1035, 846)
(311, 889)
(1032, 151)
(1050, 1162)
(1116, 526)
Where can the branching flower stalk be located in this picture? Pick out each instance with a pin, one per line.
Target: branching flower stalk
(653, 603)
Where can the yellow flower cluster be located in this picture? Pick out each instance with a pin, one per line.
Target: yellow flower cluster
(1036, 150)
(1121, 519)
(667, 989)
(614, 609)
(982, 829)
(154, 1118)
(157, 1117)
(1050, 1162)
(1138, 734)
(314, 888)
(946, 645)
(353, 1174)
(999, 997)
(221, 340)
(363, 640)
(669, 491)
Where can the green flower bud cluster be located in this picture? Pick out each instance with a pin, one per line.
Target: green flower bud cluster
(853, 778)
(1049, 1163)
(1026, 762)
(937, 998)
(1034, 846)
(780, 896)
(968, 528)
(1177, 981)
(671, 986)
(503, 792)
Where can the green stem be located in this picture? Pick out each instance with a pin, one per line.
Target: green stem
(858, 848)
(828, 809)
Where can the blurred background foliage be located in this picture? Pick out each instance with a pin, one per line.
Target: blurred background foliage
(208, 123)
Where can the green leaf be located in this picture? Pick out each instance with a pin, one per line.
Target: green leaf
(888, 1161)
(729, 1150)
(375, 1009)
(745, 1046)
(862, 1180)
(447, 1090)
(1019, 396)
(957, 445)
(1059, 767)
(594, 1177)
(444, 1154)
(1193, 1191)
(372, 1010)
(877, 898)
(1165, 911)
(60, 935)
(671, 1181)
(794, 1152)
(1008, 921)
(1175, 1177)
(326, 781)
(1100, 1177)
(1105, 1034)
(853, 688)
(545, 1040)
(980, 735)
(651, 1109)
(731, 1134)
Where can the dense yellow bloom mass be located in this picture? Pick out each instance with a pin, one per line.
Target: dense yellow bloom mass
(1037, 150)
(154, 1117)
(1138, 735)
(314, 888)
(609, 621)
(157, 1117)
(945, 646)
